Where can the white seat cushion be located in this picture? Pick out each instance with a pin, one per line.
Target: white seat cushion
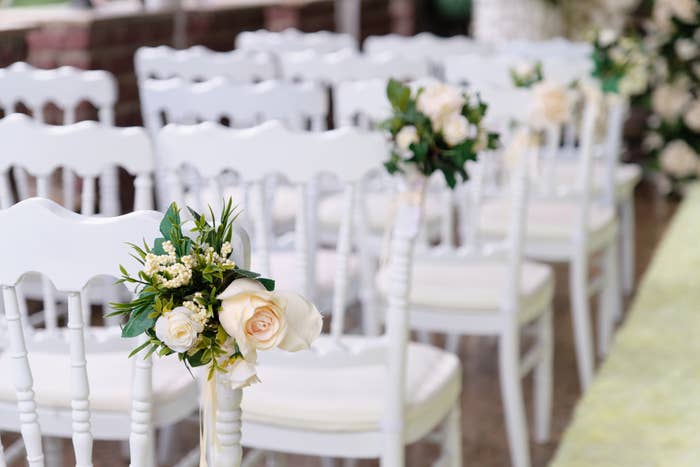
(110, 379)
(284, 269)
(547, 220)
(379, 210)
(351, 398)
(473, 285)
(627, 176)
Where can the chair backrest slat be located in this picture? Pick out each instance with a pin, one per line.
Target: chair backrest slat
(294, 40)
(199, 63)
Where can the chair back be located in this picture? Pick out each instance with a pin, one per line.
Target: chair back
(85, 149)
(479, 70)
(349, 65)
(199, 63)
(292, 39)
(254, 154)
(65, 87)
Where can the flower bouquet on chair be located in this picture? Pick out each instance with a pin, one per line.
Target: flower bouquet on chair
(194, 301)
(437, 128)
(526, 73)
(620, 63)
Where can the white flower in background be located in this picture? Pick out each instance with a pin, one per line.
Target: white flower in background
(663, 183)
(482, 141)
(259, 319)
(438, 101)
(240, 373)
(406, 136)
(692, 116)
(686, 49)
(634, 82)
(653, 141)
(607, 37)
(552, 103)
(524, 68)
(661, 16)
(178, 329)
(668, 100)
(619, 55)
(678, 159)
(455, 129)
(686, 10)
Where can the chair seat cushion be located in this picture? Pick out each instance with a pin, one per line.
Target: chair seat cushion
(284, 268)
(110, 379)
(351, 397)
(379, 210)
(473, 285)
(547, 219)
(627, 176)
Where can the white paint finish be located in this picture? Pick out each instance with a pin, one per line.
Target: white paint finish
(294, 40)
(424, 45)
(200, 63)
(271, 148)
(349, 65)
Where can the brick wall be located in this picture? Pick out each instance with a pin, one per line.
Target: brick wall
(13, 45)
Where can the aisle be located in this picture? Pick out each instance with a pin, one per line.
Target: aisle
(644, 407)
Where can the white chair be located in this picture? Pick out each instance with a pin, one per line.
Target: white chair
(490, 290)
(77, 381)
(67, 88)
(349, 397)
(576, 227)
(224, 151)
(298, 105)
(426, 46)
(349, 65)
(292, 39)
(84, 150)
(479, 70)
(198, 63)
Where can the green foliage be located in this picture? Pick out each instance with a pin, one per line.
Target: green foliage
(529, 79)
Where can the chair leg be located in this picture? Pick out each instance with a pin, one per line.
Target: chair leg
(452, 437)
(452, 343)
(512, 395)
(53, 451)
(628, 241)
(610, 306)
(578, 288)
(543, 378)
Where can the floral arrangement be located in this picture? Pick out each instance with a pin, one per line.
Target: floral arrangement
(194, 301)
(673, 138)
(525, 74)
(620, 63)
(439, 127)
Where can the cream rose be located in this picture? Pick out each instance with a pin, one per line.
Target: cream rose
(406, 136)
(259, 319)
(692, 116)
(552, 103)
(455, 129)
(678, 159)
(607, 37)
(686, 10)
(634, 82)
(438, 101)
(668, 101)
(240, 373)
(653, 141)
(686, 49)
(178, 329)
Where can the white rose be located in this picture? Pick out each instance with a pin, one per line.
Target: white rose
(686, 49)
(552, 103)
(259, 319)
(240, 373)
(177, 329)
(678, 159)
(692, 116)
(438, 101)
(455, 129)
(686, 10)
(607, 37)
(668, 101)
(653, 141)
(406, 136)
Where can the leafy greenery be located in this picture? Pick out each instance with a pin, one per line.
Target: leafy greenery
(210, 275)
(527, 80)
(431, 152)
